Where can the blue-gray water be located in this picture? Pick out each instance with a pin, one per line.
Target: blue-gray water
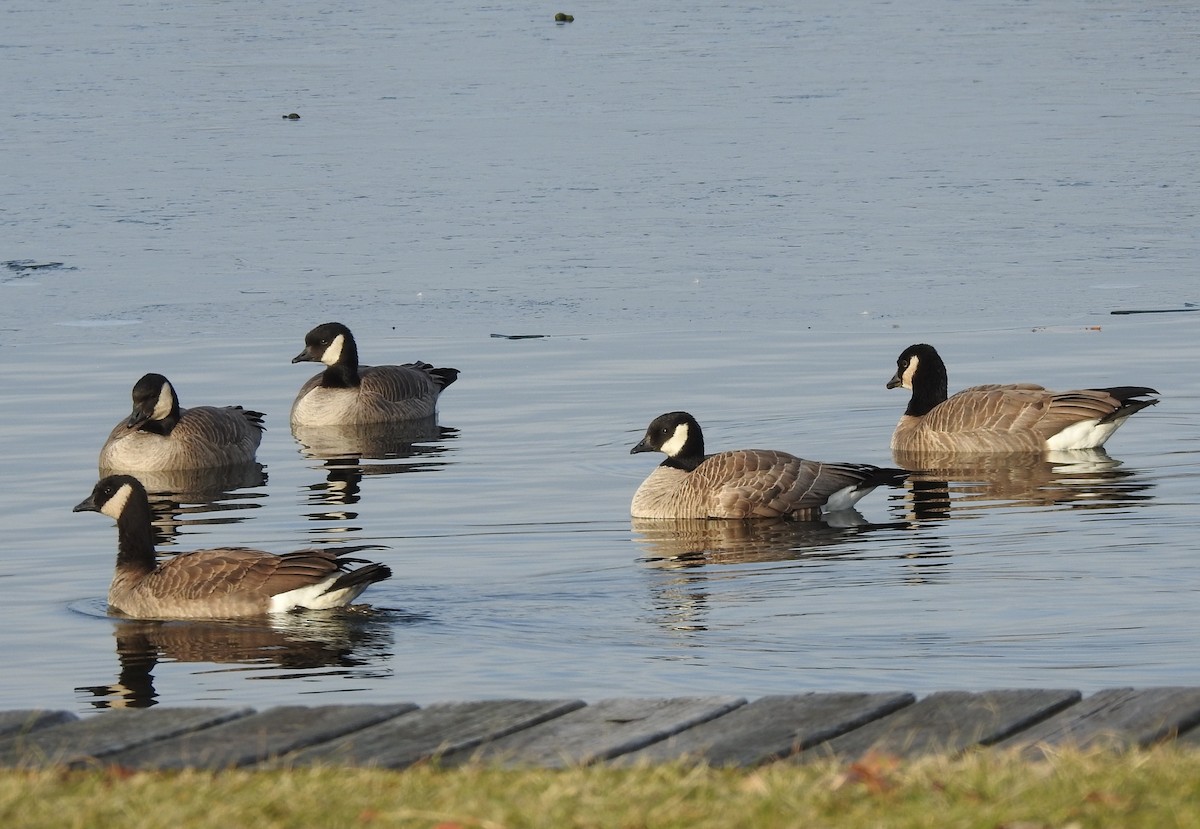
(744, 212)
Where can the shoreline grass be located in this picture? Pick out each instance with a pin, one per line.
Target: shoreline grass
(1159, 788)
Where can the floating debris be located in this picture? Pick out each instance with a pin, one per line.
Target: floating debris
(292, 116)
(22, 265)
(1189, 306)
(519, 336)
(563, 17)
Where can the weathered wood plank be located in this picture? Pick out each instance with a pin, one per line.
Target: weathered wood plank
(23, 722)
(431, 732)
(85, 741)
(947, 722)
(1116, 718)
(769, 728)
(258, 737)
(600, 731)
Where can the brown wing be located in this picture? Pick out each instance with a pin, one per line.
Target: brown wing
(992, 408)
(222, 425)
(1018, 408)
(205, 574)
(766, 483)
(406, 382)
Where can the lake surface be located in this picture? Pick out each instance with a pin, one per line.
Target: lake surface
(742, 212)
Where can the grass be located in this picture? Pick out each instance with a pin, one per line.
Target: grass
(1158, 789)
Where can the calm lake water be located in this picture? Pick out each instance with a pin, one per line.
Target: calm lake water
(742, 212)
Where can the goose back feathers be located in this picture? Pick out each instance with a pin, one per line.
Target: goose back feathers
(744, 483)
(347, 393)
(1017, 417)
(218, 583)
(160, 436)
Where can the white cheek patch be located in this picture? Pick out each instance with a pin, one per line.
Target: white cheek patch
(906, 379)
(115, 505)
(334, 353)
(678, 440)
(166, 402)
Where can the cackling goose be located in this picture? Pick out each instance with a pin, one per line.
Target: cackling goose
(221, 583)
(161, 436)
(347, 394)
(744, 483)
(1019, 417)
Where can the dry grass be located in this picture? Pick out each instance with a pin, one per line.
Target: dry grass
(1158, 789)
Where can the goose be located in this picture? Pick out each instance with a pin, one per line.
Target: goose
(744, 483)
(347, 393)
(1018, 417)
(222, 583)
(161, 436)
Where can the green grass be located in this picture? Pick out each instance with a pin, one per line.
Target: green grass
(1157, 789)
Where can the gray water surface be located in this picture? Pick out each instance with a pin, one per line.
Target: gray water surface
(743, 212)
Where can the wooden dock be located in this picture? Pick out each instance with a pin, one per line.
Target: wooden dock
(721, 731)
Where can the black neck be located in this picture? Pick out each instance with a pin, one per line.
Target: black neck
(928, 390)
(341, 376)
(692, 454)
(135, 537)
(685, 462)
(344, 373)
(162, 427)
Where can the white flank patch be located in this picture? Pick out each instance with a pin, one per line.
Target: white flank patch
(166, 402)
(315, 597)
(846, 497)
(334, 352)
(1087, 434)
(678, 440)
(115, 505)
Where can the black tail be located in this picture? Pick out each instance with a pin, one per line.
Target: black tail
(1129, 404)
(363, 575)
(884, 476)
(444, 376)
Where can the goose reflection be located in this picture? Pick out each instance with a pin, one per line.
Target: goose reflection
(187, 497)
(942, 483)
(694, 542)
(354, 641)
(410, 446)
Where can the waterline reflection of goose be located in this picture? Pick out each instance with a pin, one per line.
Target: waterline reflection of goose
(377, 441)
(337, 642)
(694, 542)
(946, 482)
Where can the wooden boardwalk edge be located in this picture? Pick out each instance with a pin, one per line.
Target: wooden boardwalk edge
(726, 731)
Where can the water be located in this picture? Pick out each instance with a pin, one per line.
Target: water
(744, 212)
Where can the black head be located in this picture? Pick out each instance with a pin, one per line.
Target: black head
(920, 369)
(154, 400)
(675, 434)
(112, 494)
(917, 361)
(330, 343)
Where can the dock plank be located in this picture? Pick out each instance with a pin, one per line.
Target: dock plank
(1115, 718)
(432, 731)
(769, 728)
(598, 732)
(258, 737)
(947, 722)
(23, 722)
(82, 742)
